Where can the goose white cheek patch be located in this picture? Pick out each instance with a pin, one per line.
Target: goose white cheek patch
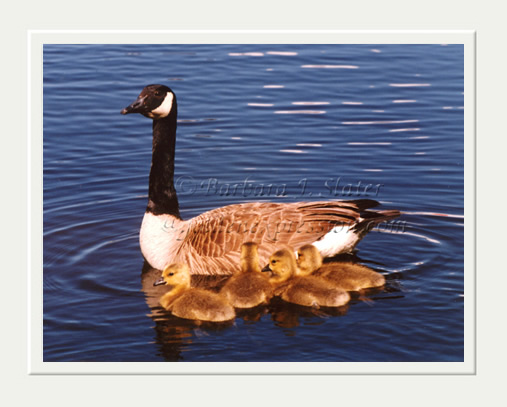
(164, 109)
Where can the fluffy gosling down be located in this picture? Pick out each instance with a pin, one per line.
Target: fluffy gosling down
(249, 287)
(192, 303)
(347, 275)
(309, 291)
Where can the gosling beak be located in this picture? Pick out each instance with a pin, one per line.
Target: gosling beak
(135, 107)
(160, 281)
(266, 268)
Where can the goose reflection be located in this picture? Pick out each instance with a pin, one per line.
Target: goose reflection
(288, 315)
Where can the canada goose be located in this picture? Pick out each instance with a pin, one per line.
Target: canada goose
(210, 243)
(250, 287)
(347, 275)
(303, 290)
(192, 303)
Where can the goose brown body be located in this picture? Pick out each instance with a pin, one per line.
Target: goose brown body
(211, 242)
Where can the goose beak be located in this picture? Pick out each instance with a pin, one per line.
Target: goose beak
(135, 107)
(266, 268)
(160, 281)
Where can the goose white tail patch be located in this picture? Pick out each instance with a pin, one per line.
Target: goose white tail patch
(338, 240)
(164, 109)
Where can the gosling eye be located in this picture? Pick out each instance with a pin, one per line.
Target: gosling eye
(273, 261)
(171, 274)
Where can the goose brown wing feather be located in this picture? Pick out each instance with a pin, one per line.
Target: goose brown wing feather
(213, 239)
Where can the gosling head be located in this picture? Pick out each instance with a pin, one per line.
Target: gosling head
(249, 260)
(309, 260)
(282, 265)
(154, 101)
(176, 274)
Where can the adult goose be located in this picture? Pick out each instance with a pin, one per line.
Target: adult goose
(211, 242)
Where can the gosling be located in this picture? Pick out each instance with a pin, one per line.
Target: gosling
(347, 275)
(249, 287)
(192, 303)
(308, 291)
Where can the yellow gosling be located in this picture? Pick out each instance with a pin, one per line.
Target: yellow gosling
(347, 275)
(249, 287)
(309, 260)
(309, 291)
(192, 303)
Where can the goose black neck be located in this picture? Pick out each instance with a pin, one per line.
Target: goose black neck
(162, 198)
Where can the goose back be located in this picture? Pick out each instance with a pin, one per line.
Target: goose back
(211, 242)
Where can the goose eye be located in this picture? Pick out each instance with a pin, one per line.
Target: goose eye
(158, 93)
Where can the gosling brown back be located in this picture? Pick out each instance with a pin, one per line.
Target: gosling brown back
(192, 303)
(249, 287)
(351, 276)
(347, 275)
(308, 291)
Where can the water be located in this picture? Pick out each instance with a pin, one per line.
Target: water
(312, 121)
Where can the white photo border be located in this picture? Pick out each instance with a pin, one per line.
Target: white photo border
(36, 40)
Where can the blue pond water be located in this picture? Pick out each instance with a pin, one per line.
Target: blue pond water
(315, 122)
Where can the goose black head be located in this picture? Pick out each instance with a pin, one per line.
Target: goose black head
(154, 101)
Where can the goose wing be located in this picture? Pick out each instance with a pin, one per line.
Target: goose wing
(213, 239)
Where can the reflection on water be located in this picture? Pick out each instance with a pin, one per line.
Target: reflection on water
(331, 66)
(408, 85)
(286, 315)
(310, 103)
(300, 111)
(389, 116)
